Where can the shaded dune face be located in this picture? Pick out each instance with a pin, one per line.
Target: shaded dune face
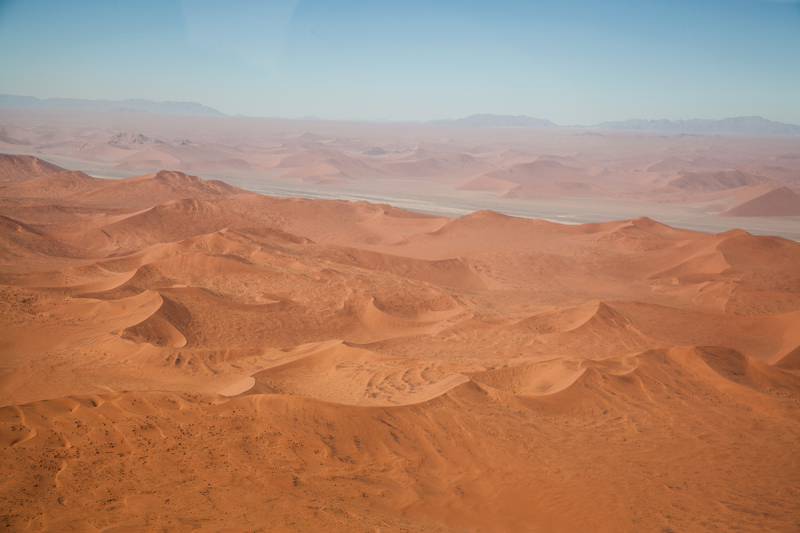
(181, 355)
(780, 202)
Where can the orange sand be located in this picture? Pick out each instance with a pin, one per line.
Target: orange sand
(182, 355)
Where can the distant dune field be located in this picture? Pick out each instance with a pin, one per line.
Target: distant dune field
(682, 179)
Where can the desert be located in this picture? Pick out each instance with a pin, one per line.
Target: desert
(185, 354)
(710, 182)
(310, 266)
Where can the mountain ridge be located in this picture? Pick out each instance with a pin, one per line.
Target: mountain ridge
(130, 105)
(496, 121)
(752, 125)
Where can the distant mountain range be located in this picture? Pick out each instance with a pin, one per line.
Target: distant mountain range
(497, 121)
(747, 125)
(125, 106)
(751, 125)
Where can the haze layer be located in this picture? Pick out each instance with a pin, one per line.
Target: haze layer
(564, 174)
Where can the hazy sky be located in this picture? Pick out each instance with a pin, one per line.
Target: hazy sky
(573, 62)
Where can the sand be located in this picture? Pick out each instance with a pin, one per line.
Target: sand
(776, 203)
(183, 355)
(564, 174)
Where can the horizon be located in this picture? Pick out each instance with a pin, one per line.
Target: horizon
(573, 64)
(439, 121)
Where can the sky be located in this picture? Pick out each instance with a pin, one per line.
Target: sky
(571, 61)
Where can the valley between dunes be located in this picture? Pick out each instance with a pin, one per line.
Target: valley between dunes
(182, 355)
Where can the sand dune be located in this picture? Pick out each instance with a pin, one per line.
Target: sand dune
(159, 187)
(21, 242)
(167, 222)
(676, 164)
(713, 181)
(451, 165)
(181, 355)
(339, 373)
(356, 223)
(101, 152)
(20, 168)
(475, 457)
(448, 272)
(688, 179)
(780, 202)
(159, 328)
(538, 178)
(790, 361)
(147, 157)
(777, 173)
(56, 185)
(315, 164)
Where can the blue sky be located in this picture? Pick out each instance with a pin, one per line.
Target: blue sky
(573, 62)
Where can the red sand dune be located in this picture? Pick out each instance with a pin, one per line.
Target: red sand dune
(670, 164)
(56, 185)
(456, 165)
(714, 181)
(181, 355)
(537, 172)
(158, 187)
(20, 168)
(540, 178)
(780, 202)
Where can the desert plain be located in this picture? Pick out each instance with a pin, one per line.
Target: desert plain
(181, 352)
